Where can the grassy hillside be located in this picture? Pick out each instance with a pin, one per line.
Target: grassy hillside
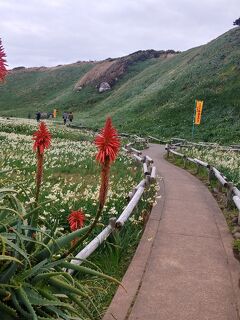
(155, 96)
(39, 89)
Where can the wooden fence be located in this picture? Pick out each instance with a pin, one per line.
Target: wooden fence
(134, 196)
(183, 143)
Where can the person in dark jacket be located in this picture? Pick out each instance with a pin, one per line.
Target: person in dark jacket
(38, 116)
(65, 117)
(70, 117)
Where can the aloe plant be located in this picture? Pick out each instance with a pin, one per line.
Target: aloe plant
(33, 283)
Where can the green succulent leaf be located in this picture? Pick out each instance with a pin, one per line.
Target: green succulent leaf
(36, 299)
(82, 269)
(12, 211)
(9, 258)
(76, 300)
(18, 249)
(23, 297)
(5, 309)
(60, 243)
(48, 275)
(64, 286)
(31, 272)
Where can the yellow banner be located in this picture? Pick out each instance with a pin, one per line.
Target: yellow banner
(198, 115)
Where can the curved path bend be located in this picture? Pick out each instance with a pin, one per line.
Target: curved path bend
(183, 268)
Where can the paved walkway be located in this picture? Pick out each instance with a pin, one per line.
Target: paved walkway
(183, 268)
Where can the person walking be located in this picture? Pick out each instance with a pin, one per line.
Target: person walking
(65, 117)
(70, 117)
(38, 116)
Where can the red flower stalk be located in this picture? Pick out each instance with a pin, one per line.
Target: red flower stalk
(76, 220)
(42, 141)
(108, 144)
(42, 138)
(105, 172)
(3, 70)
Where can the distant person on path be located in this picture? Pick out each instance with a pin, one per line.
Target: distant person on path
(38, 116)
(65, 117)
(70, 117)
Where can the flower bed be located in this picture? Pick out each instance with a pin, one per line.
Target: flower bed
(71, 183)
(228, 162)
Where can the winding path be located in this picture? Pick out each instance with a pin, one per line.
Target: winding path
(183, 268)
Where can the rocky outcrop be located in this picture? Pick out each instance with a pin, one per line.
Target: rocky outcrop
(110, 70)
(98, 74)
(104, 86)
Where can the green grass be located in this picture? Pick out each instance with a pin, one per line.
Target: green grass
(154, 97)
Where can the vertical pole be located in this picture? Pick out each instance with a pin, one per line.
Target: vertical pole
(184, 162)
(167, 147)
(210, 175)
(194, 113)
(229, 194)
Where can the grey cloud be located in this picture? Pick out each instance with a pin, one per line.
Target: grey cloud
(61, 31)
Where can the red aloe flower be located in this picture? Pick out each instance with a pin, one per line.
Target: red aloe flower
(107, 142)
(3, 70)
(76, 220)
(42, 138)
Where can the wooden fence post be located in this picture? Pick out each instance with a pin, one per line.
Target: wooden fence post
(198, 168)
(184, 162)
(210, 174)
(229, 194)
(167, 148)
(219, 186)
(112, 223)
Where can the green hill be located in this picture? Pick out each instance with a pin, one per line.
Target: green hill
(154, 95)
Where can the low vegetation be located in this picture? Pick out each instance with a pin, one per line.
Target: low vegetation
(227, 162)
(33, 282)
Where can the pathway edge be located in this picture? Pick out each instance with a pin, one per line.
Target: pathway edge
(123, 301)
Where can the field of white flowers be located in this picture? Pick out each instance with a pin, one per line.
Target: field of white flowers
(71, 174)
(227, 162)
(71, 181)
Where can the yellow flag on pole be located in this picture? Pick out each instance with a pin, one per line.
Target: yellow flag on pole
(198, 115)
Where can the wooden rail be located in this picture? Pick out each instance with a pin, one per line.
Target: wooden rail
(236, 192)
(103, 235)
(138, 152)
(129, 208)
(91, 247)
(183, 143)
(158, 140)
(134, 197)
(201, 163)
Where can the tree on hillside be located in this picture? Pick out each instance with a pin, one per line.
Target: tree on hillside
(237, 22)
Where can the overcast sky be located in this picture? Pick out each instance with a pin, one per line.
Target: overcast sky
(52, 32)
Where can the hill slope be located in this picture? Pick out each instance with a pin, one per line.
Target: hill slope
(155, 96)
